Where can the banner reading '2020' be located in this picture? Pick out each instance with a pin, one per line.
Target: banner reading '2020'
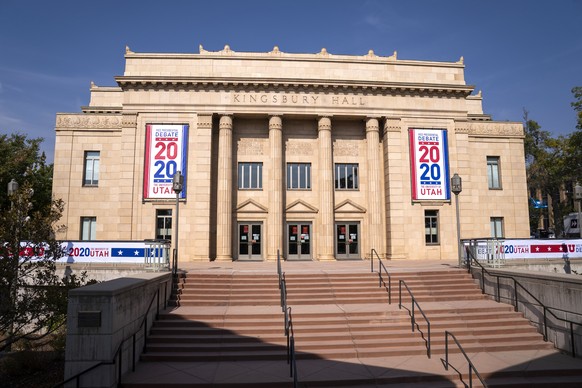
(166, 150)
(429, 160)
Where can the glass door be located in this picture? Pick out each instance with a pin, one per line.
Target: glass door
(249, 241)
(347, 240)
(299, 241)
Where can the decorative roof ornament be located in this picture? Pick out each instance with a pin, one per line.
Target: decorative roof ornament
(394, 56)
(275, 50)
(93, 86)
(127, 50)
(461, 60)
(227, 49)
(371, 54)
(201, 49)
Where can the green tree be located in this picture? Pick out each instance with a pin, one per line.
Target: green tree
(21, 160)
(33, 299)
(547, 170)
(574, 159)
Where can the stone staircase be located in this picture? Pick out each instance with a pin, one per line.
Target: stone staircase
(342, 321)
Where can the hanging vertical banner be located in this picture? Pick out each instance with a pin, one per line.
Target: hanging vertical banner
(429, 161)
(166, 150)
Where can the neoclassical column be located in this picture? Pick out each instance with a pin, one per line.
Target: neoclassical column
(224, 192)
(374, 186)
(326, 189)
(275, 219)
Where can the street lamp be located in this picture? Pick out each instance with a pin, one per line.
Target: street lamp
(456, 188)
(177, 185)
(578, 198)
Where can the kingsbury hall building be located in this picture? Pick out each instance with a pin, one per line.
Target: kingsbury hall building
(317, 156)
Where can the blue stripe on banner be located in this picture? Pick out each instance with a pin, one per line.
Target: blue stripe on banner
(127, 252)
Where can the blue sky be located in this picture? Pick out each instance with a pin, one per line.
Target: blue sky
(520, 53)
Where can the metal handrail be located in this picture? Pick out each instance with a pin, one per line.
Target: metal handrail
(471, 365)
(381, 267)
(117, 354)
(412, 319)
(516, 284)
(289, 333)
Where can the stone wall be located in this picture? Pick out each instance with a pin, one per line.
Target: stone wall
(103, 318)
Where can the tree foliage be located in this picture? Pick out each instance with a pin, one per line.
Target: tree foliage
(33, 299)
(554, 165)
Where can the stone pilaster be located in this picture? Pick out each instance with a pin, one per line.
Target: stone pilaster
(375, 194)
(326, 206)
(224, 192)
(275, 219)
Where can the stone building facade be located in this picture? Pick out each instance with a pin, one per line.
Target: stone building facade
(319, 156)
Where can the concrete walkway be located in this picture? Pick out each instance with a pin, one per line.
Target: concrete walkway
(497, 366)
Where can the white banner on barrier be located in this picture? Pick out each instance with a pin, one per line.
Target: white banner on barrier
(137, 252)
(532, 249)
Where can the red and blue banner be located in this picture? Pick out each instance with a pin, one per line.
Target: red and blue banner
(429, 161)
(529, 249)
(166, 151)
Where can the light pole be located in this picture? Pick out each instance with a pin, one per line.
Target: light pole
(12, 189)
(578, 198)
(456, 188)
(177, 185)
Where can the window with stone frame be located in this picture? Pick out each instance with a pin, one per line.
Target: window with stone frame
(250, 176)
(346, 176)
(431, 227)
(298, 176)
(91, 168)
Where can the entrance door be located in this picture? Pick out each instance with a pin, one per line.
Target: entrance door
(347, 240)
(249, 241)
(299, 241)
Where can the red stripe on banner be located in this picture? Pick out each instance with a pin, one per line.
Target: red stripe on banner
(549, 248)
(412, 161)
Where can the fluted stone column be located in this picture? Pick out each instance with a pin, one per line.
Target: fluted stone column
(326, 190)
(374, 186)
(224, 203)
(275, 220)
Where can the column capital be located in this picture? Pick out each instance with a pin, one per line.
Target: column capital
(275, 122)
(324, 123)
(372, 124)
(225, 122)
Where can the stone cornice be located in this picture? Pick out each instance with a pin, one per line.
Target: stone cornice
(88, 121)
(265, 84)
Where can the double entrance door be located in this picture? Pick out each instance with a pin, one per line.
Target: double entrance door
(250, 240)
(347, 240)
(299, 241)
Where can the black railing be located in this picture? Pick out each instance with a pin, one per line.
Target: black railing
(289, 333)
(515, 300)
(472, 368)
(117, 355)
(412, 315)
(381, 267)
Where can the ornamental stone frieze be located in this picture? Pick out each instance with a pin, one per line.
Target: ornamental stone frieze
(495, 129)
(248, 146)
(88, 121)
(297, 148)
(345, 148)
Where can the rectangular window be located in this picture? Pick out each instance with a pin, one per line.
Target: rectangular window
(493, 172)
(88, 228)
(497, 227)
(250, 176)
(91, 170)
(346, 176)
(298, 176)
(164, 224)
(431, 227)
